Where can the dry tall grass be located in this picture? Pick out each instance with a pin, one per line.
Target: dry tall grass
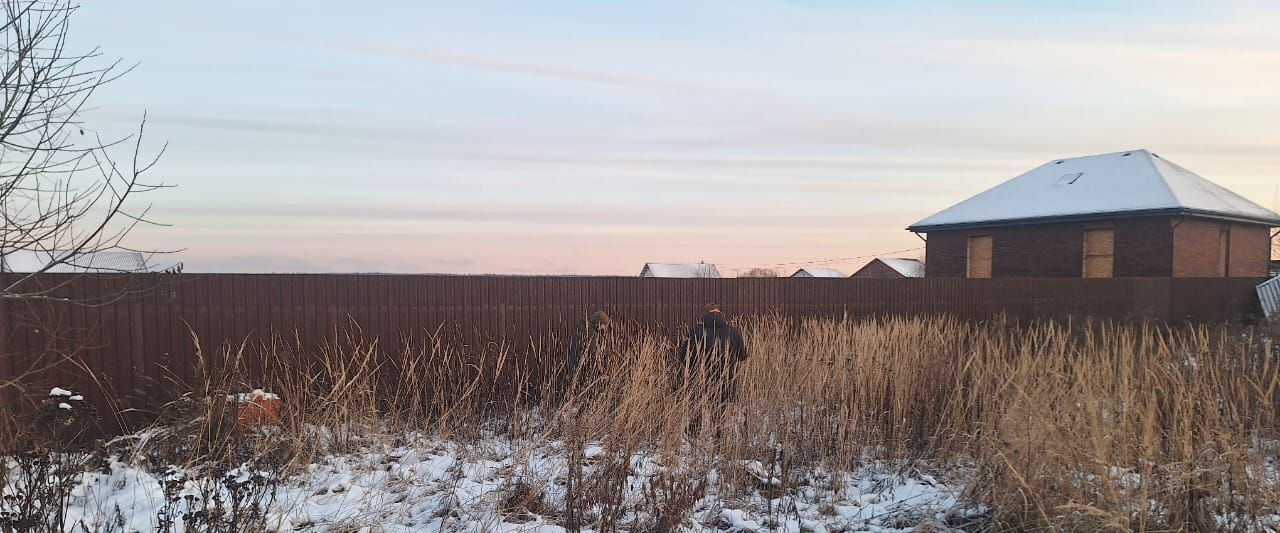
(1058, 426)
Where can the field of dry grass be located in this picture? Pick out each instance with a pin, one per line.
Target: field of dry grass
(1077, 426)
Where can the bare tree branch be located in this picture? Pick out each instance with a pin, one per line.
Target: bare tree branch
(64, 195)
(68, 197)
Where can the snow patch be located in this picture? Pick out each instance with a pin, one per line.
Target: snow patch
(441, 485)
(256, 394)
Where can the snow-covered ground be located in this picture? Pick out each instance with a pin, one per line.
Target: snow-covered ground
(426, 484)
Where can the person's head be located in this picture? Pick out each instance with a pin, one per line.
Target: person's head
(711, 308)
(600, 320)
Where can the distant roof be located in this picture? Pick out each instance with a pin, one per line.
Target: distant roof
(910, 268)
(679, 270)
(1132, 183)
(104, 261)
(818, 273)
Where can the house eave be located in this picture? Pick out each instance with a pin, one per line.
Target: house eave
(1089, 217)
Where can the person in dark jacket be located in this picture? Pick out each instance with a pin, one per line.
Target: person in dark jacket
(587, 336)
(711, 354)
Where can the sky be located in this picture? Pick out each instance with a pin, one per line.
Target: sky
(588, 137)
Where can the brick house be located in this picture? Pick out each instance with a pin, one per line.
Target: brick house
(1111, 215)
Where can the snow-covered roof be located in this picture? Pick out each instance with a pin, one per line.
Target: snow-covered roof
(1130, 183)
(679, 270)
(809, 272)
(104, 261)
(909, 268)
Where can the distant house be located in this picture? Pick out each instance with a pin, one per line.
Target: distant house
(891, 267)
(24, 261)
(818, 273)
(1121, 214)
(679, 270)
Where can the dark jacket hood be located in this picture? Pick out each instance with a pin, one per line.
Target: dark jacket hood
(714, 320)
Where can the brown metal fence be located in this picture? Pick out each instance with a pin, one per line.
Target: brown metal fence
(136, 335)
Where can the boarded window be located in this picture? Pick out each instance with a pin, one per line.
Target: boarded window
(979, 256)
(1099, 253)
(1224, 250)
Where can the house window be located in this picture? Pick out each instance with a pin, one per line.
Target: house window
(979, 256)
(1099, 253)
(1224, 250)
